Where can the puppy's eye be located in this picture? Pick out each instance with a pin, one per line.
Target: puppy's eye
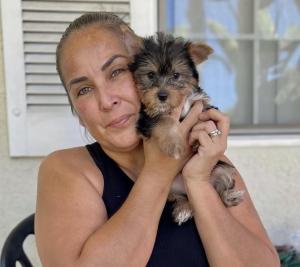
(151, 75)
(176, 76)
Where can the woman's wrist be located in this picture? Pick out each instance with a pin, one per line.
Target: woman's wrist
(158, 175)
(196, 182)
(200, 192)
(197, 186)
(194, 179)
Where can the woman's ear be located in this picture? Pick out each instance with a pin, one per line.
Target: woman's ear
(132, 41)
(199, 52)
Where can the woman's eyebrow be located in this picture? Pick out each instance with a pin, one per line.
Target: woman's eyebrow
(77, 80)
(110, 60)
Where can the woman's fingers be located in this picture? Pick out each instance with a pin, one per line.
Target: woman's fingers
(213, 123)
(201, 137)
(192, 117)
(206, 143)
(221, 121)
(177, 111)
(210, 128)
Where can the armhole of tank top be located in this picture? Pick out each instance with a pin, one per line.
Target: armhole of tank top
(97, 156)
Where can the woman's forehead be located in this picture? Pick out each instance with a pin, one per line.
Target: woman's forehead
(90, 44)
(98, 35)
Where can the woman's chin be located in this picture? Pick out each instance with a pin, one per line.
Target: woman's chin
(125, 142)
(128, 144)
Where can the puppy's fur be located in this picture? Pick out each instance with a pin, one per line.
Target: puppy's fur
(164, 69)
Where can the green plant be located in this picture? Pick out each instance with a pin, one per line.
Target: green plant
(288, 256)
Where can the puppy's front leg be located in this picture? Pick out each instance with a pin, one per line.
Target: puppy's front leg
(182, 210)
(223, 181)
(169, 137)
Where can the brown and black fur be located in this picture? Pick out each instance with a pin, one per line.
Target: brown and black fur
(164, 69)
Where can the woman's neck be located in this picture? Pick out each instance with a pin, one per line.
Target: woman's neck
(131, 162)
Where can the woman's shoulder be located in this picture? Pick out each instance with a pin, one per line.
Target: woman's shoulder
(68, 155)
(69, 204)
(71, 164)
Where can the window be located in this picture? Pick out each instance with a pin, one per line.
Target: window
(253, 74)
(39, 116)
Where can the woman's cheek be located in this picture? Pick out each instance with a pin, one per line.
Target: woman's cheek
(131, 89)
(83, 108)
(78, 105)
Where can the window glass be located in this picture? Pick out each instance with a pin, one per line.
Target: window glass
(253, 74)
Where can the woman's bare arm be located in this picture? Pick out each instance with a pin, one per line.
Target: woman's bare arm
(71, 221)
(231, 236)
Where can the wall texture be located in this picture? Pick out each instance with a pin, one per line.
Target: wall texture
(272, 175)
(17, 177)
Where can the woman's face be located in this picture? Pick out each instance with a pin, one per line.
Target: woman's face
(101, 88)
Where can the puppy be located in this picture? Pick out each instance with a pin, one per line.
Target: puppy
(164, 69)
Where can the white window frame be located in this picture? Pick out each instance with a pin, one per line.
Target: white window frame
(14, 75)
(144, 16)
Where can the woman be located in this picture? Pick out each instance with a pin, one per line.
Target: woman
(105, 204)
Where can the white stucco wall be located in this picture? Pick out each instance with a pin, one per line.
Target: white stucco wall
(272, 176)
(17, 177)
(271, 173)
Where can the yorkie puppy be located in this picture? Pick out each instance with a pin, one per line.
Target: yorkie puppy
(164, 69)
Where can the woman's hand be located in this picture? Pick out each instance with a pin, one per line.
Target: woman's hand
(158, 161)
(155, 159)
(210, 149)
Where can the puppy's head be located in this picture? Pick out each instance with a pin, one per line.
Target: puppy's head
(164, 70)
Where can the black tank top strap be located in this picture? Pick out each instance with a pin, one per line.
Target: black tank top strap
(117, 184)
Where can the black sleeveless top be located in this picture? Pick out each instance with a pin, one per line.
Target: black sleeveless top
(175, 246)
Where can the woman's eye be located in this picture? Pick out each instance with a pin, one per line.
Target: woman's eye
(84, 91)
(116, 72)
(151, 75)
(176, 76)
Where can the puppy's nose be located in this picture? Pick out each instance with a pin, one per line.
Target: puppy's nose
(162, 95)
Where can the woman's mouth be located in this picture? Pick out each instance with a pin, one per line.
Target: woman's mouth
(119, 122)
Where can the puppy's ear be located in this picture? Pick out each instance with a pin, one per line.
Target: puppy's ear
(199, 52)
(132, 41)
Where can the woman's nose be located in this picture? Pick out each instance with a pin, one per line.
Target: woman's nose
(107, 99)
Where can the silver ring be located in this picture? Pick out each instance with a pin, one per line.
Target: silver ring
(215, 133)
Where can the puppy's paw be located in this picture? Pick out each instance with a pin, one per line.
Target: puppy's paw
(224, 184)
(182, 211)
(182, 216)
(232, 197)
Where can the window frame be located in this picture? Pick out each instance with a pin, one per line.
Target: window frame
(252, 136)
(144, 16)
(14, 69)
